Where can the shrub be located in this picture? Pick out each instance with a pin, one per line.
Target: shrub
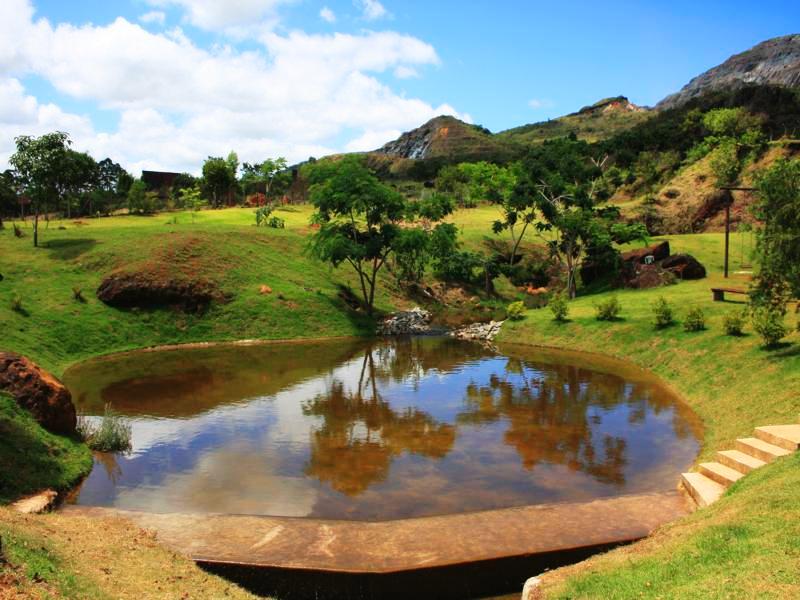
(18, 232)
(695, 320)
(16, 304)
(516, 310)
(559, 307)
(77, 294)
(262, 215)
(276, 223)
(768, 323)
(734, 323)
(608, 310)
(663, 313)
(111, 434)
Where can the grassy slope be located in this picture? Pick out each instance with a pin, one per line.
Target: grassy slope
(33, 459)
(56, 330)
(747, 545)
(58, 556)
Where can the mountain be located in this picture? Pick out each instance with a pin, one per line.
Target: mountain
(774, 62)
(598, 121)
(447, 138)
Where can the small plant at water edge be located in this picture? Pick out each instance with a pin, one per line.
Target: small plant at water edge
(559, 306)
(695, 320)
(516, 310)
(734, 323)
(769, 324)
(111, 434)
(608, 310)
(662, 312)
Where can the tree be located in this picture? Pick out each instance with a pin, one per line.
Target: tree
(218, 178)
(8, 194)
(272, 174)
(140, 201)
(79, 176)
(359, 220)
(192, 199)
(39, 163)
(777, 208)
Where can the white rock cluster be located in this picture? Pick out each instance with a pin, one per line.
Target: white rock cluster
(408, 322)
(478, 331)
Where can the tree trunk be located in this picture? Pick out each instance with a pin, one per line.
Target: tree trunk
(36, 227)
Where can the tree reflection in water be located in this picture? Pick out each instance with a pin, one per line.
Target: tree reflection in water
(548, 415)
(361, 433)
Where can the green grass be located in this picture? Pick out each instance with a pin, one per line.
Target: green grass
(57, 330)
(747, 545)
(33, 459)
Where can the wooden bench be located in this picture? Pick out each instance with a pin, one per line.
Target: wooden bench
(719, 293)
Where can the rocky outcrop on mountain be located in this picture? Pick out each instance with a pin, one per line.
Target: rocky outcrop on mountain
(617, 104)
(774, 62)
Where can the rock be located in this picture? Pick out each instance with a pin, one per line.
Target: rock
(774, 62)
(684, 266)
(478, 331)
(409, 322)
(649, 276)
(143, 290)
(658, 251)
(36, 504)
(38, 392)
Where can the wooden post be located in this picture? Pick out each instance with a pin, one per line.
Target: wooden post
(727, 236)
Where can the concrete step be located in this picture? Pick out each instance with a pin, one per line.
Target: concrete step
(783, 436)
(703, 490)
(760, 449)
(744, 463)
(723, 475)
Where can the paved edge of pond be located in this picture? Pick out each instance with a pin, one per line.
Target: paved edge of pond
(407, 544)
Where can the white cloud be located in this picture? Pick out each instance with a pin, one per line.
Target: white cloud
(154, 16)
(540, 103)
(237, 17)
(297, 96)
(326, 14)
(372, 140)
(372, 10)
(405, 72)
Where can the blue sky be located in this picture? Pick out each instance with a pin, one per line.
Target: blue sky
(164, 83)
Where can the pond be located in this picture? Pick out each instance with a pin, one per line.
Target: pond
(378, 429)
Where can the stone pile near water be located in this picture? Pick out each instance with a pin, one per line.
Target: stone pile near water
(478, 331)
(408, 322)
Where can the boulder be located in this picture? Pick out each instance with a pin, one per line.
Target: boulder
(38, 392)
(649, 276)
(684, 266)
(409, 322)
(143, 290)
(658, 251)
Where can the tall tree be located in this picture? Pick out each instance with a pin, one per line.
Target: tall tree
(272, 174)
(218, 179)
(777, 208)
(39, 165)
(359, 220)
(8, 194)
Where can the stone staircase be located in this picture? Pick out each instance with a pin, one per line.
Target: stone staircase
(713, 478)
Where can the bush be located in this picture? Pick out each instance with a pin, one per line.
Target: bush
(768, 323)
(695, 320)
(276, 223)
(111, 434)
(262, 215)
(608, 310)
(734, 323)
(77, 294)
(559, 307)
(16, 304)
(663, 313)
(516, 310)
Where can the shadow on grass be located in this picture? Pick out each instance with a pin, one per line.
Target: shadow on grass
(70, 249)
(34, 459)
(783, 350)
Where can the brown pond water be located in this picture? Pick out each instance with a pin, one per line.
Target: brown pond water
(372, 430)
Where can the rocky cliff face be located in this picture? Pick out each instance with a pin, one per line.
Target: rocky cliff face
(442, 137)
(774, 62)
